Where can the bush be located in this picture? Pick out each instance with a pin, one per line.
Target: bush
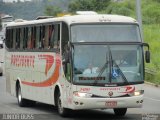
(151, 13)
(122, 8)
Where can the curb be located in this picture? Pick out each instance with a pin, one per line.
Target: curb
(153, 84)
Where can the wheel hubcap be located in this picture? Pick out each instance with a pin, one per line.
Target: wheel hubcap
(19, 96)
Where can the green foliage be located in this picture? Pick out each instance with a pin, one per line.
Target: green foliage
(52, 10)
(88, 5)
(126, 8)
(151, 11)
(152, 36)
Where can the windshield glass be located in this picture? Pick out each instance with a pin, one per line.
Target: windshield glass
(106, 64)
(105, 33)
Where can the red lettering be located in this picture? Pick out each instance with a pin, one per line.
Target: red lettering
(22, 61)
(85, 89)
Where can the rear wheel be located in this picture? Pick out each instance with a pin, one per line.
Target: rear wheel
(120, 111)
(61, 110)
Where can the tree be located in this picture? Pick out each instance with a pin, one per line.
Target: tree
(93, 5)
(52, 10)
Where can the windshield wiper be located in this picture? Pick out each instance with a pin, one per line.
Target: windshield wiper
(111, 63)
(102, 69)
(111, 67)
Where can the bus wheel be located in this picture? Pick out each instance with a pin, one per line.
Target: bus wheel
(21, 102)
(1, 74)
(120, 111)
(61, 110)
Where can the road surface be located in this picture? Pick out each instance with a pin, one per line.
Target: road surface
(9, 109)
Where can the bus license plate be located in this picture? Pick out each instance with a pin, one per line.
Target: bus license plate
(111, 104)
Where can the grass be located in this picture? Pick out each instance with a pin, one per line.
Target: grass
(152, 36)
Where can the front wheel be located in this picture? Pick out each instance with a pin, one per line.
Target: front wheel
(61, 110)
(23, 102)
(120, 111)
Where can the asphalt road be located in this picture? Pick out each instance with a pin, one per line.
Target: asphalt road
(9, 109)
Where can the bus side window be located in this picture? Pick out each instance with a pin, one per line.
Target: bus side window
(29, 41)
(51, 30)
(66, 52)
(33, 37)
(14, 38)
(42, 37)
(21, 37)
(25, 38)
(46, 37)
(55, 37)
(37, 37)
(17, 38)
(9, 40)
(65, 36)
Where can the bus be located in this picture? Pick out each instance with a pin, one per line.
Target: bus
(83, 61)
(4, 21)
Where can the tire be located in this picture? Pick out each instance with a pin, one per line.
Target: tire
(21, 101)
(1, 74)
(61, 110)
(120, 111)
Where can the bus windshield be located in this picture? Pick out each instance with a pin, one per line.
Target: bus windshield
(105, 33)
(107, 64)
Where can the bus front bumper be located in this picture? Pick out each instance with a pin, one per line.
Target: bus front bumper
(107, 103)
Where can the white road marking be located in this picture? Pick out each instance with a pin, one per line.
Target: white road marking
(152, 99)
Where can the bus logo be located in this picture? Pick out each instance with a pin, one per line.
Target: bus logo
(110, 93)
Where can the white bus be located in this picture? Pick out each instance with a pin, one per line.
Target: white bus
(4, 21)
(77, 62)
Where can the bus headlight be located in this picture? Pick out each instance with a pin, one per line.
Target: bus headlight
(137, 93)
(82, 94)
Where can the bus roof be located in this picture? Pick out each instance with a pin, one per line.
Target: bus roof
(95, 18)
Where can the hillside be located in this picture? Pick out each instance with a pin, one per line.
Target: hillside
(30, 10)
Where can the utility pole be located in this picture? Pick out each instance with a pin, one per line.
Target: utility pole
(139, 15)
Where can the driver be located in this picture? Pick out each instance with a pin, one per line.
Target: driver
(91, 69)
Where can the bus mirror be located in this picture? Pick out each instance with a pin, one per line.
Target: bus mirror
(147, 53)
(147, 56)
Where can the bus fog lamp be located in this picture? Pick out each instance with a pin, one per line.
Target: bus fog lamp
(82, 94)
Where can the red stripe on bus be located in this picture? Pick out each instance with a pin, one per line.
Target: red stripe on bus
(50, 81)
